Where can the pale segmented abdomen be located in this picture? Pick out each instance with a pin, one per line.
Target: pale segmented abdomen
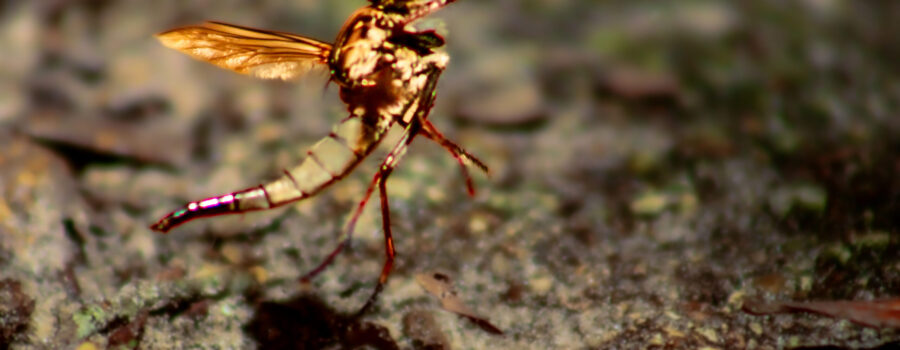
(327, 161)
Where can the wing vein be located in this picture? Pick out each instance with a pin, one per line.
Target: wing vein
(262, 53)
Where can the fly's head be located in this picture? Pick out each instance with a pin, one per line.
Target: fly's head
(409, 10)
(398, 13)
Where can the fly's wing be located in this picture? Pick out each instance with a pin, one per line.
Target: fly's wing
(261, 53)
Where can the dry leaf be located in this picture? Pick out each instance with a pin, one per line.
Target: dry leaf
(440, 286)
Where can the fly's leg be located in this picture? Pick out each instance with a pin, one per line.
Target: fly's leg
(380, 177)
(414, 126)
(345, 237)
(388, 240)
(387, 167)
(431, 132)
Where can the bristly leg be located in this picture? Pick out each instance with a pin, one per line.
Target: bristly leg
(390, 162)
(393, 157)
(431, 132)
(345, 236)
(387, 167)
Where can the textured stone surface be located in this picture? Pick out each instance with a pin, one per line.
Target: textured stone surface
(659, 164)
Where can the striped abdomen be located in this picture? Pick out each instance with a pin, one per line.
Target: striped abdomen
(327, 161)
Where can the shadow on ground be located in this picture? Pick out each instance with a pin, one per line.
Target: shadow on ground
(307, 322)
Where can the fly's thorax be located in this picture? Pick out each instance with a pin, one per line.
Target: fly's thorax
(373, 40)
(360, 46)
(396, 94)
(382, 65)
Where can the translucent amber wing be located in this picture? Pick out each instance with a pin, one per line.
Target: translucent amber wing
(261, 53)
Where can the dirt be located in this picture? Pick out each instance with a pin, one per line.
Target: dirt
(654, 165)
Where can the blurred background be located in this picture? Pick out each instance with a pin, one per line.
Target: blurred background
(656, 168)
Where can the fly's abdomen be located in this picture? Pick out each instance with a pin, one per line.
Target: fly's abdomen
(327, 161)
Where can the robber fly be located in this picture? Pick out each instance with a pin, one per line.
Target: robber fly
(387, 75)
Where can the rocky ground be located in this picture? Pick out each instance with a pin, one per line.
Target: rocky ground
(659, 169)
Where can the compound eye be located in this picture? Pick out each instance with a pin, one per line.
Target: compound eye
(422, 42)
(396, 6)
